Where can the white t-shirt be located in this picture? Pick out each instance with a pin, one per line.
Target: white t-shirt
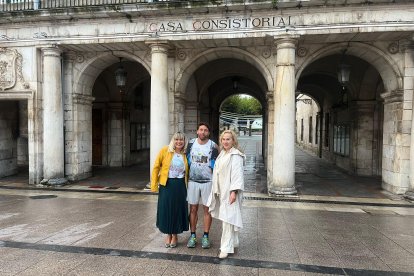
(200, 170)
(177, 168)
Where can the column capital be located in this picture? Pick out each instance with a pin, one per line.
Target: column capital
(52, 51)
(69, 56)
(269, 96)
(179, 97)
(407, 45)
(82, 99)
(286, 41)
(158, 46)
(393, 96)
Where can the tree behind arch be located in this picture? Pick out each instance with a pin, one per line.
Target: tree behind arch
(245, 105)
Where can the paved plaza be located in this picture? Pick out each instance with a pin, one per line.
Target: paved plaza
(337, 225)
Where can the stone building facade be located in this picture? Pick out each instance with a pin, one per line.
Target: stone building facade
(63, 112)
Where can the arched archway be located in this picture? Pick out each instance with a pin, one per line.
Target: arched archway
(215, 78)
(385, 66)
(109, 128)
(349, 122)
(87, 73)
(184, 76)
(212, 83)
(308, 123)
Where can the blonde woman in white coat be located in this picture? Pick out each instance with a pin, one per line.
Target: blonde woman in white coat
(226, 194)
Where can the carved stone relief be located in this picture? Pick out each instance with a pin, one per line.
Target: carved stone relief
(181, 55)
(301, 52)
(80, 58)
(393, 48)
(10, 69)
(266, 53)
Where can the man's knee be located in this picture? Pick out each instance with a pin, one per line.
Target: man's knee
(193, 209)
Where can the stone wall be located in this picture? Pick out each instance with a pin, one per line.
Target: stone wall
(8, 139)
(22, 140)
(304, 111)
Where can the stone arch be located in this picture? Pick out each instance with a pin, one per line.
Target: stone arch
(386, 66)
(89, 72)
(315, 99)
(220, 53)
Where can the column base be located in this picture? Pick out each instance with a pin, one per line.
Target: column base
(282, 191)
(54, 181)
(409, 195)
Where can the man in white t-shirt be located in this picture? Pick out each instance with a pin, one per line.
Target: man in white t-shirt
(201, 155)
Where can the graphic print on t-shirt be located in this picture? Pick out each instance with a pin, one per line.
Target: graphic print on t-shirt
(200, 170)
(177, 168)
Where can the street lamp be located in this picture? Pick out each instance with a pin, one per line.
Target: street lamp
(120, 76)
(235, 81)
(344, 70)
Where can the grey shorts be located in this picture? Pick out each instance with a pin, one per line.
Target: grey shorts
(197, 191)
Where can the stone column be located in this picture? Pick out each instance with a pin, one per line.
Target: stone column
(363, 137)
(283, 165)
(268, 130)
(53, 144)
(70, 130)
(179, 111)
(395, 155)
(409, 85)
(159, 125)
(190, 118)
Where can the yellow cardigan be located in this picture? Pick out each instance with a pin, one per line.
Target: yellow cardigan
(161, 168)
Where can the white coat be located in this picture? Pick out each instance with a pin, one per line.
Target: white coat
(227, 176)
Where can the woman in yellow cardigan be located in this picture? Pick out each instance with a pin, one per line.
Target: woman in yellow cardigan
(169, 177)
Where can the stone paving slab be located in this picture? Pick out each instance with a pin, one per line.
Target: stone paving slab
(298, 240)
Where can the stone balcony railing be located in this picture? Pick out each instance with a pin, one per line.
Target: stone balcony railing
(10, 6)
(27, 5)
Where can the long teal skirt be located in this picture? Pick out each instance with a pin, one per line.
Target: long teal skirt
(172, 212)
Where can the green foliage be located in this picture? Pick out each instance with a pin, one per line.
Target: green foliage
(242, 105)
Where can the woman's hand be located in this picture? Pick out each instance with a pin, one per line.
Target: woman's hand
(233, 196)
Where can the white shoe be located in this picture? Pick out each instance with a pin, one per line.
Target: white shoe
(223, 255)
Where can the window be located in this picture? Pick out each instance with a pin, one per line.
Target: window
(317, 129)
(310, 129)
(301, 130)
(341, 139)
(140, 136)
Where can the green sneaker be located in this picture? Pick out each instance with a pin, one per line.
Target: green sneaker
(192, 241)
(205, 242)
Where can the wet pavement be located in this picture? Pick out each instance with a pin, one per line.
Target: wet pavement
(85, 233)
(337, 225)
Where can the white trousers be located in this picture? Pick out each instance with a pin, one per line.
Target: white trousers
(229, 238)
